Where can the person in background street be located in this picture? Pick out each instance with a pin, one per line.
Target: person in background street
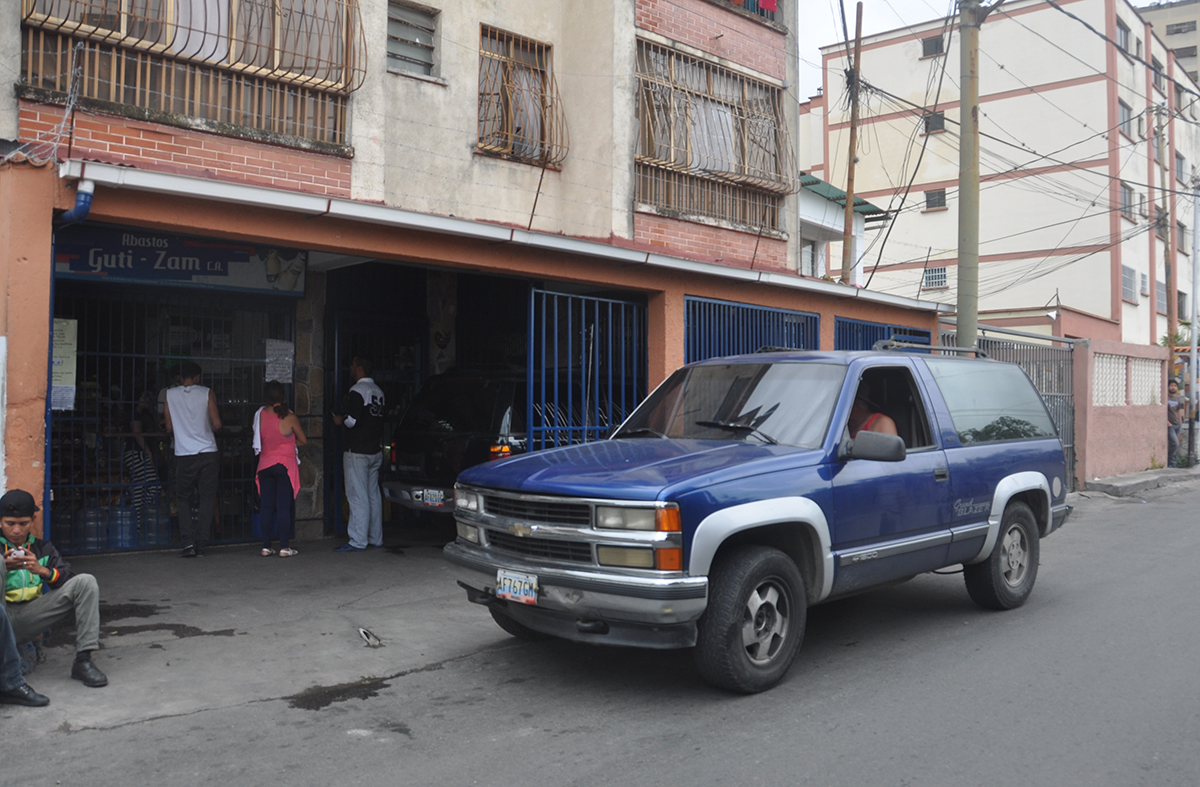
(192, 417)
(1175, 409)
(13, 688)
(139, 457)
(40, 589)
(277, 434)
(362, 424)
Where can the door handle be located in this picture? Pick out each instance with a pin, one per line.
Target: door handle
(941, 474)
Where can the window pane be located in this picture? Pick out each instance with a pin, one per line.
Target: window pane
(990, 401)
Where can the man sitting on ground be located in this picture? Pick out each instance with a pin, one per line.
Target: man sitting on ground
(40, 589)
(13, 688)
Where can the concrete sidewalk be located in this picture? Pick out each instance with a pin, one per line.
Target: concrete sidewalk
(230, 628)
(1132, 484)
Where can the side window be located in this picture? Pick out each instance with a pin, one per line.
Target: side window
(891, 392)
(990, 402)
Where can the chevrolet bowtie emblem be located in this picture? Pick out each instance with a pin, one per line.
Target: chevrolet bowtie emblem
(520, 529)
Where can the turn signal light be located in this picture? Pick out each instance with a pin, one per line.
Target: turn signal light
(666, 520)
(500, 452)
(670, 559)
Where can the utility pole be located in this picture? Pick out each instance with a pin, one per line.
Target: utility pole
(971, 17)
(848, 229)
(1194, 390)
(1164, 149)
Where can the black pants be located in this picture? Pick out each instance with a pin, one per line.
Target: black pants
(197, 473)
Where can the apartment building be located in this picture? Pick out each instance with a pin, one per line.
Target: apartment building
(593, 191)
(1089, 147)
(1175, 24)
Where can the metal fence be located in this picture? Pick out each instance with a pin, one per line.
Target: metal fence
(1049, 362)
(851, 334)
(714, 328)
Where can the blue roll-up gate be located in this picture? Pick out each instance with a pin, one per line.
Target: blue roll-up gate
(861, 335)
(717, 328)
(587, 366)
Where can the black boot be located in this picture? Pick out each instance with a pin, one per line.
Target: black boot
(86, 671)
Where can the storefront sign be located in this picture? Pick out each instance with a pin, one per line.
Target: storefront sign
(105, 253)
(62, 364)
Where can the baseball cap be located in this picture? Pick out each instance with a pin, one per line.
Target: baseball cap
(17, 503)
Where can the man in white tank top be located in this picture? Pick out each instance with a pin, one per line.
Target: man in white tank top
(192, 417)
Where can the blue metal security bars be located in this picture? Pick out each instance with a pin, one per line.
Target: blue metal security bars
(715, 328)
(861, 335)
(586, 369)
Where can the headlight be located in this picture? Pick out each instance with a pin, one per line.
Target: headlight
(467, 501)
(631, 557)
(614, 518)
(468, 532)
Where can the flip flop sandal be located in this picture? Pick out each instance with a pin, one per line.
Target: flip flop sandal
(288, 552)
(268, 552)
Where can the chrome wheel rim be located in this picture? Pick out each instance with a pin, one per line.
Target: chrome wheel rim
(1014, 556)
(765, 621)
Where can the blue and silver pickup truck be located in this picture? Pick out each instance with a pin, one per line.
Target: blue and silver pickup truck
(745, 489)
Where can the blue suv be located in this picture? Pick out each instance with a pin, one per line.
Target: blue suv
(745, 489)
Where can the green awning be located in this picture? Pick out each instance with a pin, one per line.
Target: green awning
(834, 194)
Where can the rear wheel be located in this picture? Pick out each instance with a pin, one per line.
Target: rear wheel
(751, 631)
(1005, 579)
(518, 630)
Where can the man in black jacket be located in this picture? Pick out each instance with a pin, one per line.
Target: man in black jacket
(40, 589)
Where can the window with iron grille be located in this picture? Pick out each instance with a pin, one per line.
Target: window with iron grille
(1126, 201)
(1128, 284)
(1181, 27)
(935, 121)
(767, 9)
(1185, 51)
(711, 141)
(1160, 303)
(1122, 35)
(410, 45)
(520, 112)
(281, 66)
(932, 46)
(934, 278)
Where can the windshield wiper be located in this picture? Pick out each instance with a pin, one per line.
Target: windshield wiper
(754, 430)
(640, 430)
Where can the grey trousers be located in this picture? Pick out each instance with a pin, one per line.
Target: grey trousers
(199, 472)
(78, 596)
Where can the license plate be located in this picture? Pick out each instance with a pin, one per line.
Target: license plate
(515, 586)
(432, 497)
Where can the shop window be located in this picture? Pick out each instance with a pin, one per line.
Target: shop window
(520, 112)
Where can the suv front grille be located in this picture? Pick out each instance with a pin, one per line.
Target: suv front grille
(539, 511)
(577, 551)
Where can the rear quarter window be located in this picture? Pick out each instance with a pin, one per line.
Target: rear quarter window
(990, 402)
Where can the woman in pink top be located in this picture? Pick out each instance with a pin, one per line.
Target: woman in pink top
(279, 434)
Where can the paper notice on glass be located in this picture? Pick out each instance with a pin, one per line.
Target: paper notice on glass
(280, 357)
(62, 364)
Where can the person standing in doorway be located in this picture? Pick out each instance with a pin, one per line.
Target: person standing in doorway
(192, 417)
(277, 434)
(362, 434)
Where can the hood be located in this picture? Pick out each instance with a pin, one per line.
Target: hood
(632, 469)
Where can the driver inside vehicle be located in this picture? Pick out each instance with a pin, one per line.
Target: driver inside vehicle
(864, 417)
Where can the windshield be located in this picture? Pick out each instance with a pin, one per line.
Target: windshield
(789, 403)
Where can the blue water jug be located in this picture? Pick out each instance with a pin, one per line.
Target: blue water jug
(122, 527)
(91, 522)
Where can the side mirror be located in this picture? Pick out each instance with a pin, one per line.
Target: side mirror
(876, 446)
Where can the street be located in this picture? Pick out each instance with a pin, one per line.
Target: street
(1091, 683)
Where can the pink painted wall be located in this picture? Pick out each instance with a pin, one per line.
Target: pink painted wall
(1115, 440)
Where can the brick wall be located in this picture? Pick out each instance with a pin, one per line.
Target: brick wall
(716, 30)
(119, 140)
(709, 244)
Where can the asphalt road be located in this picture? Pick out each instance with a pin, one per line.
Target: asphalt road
(1093, 682)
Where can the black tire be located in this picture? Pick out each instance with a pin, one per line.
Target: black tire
(518, 630)
(1005, 579)
(751, 632)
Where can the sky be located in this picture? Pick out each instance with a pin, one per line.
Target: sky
(821, 24)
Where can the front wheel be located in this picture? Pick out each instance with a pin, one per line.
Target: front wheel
(751, 631)
(1005, 579)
